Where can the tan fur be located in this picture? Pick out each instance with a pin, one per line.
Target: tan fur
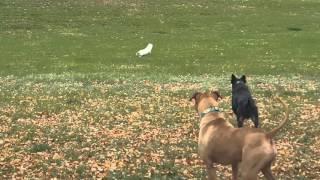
(219, 142)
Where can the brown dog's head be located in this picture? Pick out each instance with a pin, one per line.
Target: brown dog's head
(202, 101)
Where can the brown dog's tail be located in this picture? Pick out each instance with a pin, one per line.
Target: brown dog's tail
(274, 131)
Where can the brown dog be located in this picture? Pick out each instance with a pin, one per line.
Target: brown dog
(219, 142)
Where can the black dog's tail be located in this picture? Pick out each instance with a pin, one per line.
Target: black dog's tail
(274, 131)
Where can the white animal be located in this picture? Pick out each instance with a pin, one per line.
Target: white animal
(145, 51)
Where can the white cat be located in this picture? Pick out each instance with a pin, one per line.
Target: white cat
(145, 51)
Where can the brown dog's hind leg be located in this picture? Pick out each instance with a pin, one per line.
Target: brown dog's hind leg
(235, 167)
(211, 171)
(254, 162)
(249, 174)
(267, 172)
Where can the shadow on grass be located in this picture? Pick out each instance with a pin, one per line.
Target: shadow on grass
(294, 29)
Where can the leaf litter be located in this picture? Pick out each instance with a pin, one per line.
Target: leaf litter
(141, 128)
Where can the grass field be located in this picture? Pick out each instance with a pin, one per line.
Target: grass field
(75, 101)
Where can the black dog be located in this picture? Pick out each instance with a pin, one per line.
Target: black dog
(242, 103)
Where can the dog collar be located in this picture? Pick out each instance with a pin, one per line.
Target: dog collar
(210, 109)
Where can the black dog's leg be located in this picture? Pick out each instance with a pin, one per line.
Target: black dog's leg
(240, 121)
(255, 118)
(255, 121)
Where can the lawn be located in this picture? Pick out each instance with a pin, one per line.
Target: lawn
(75, 101)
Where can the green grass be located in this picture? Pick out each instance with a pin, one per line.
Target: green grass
(194, 37)
(75, 101)
(39, 148)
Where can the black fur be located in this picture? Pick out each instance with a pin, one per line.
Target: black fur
(243, 104)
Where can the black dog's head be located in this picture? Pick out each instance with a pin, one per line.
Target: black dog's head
(235, 80)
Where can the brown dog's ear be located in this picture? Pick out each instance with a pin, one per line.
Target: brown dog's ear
(216, 95)
(195, 97)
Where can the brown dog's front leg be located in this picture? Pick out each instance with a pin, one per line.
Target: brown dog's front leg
(211, 171)
(235, 167)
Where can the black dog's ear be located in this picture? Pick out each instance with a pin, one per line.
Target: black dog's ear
(194, 97)
(233, 78)
(216, 95)
(243, 78)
